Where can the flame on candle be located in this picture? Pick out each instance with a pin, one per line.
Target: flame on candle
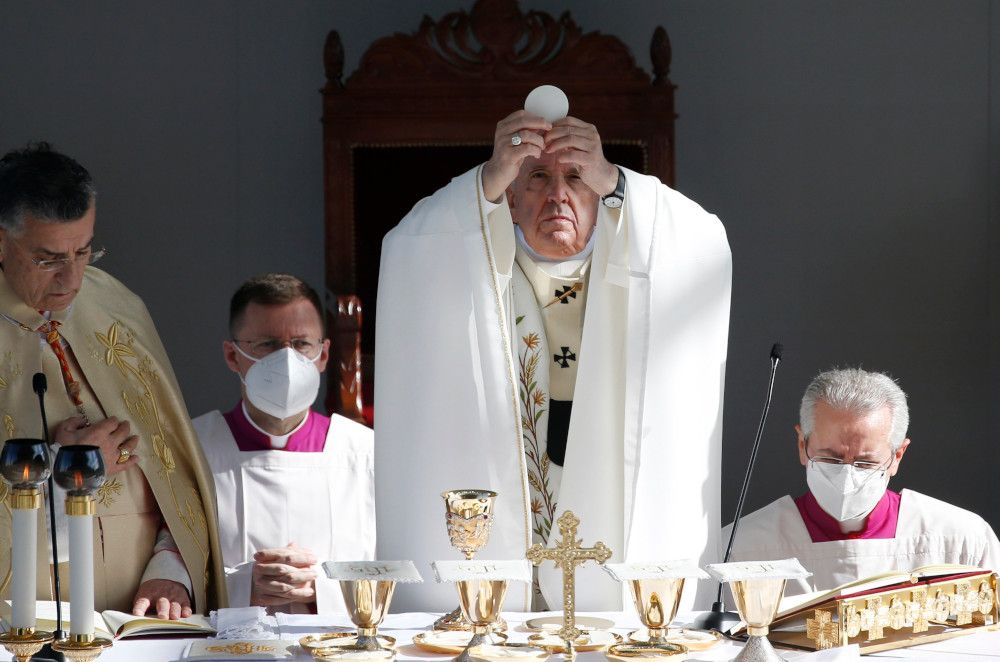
(26, 473)
(78, 479)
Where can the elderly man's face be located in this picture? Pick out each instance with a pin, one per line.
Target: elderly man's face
(38, 240)
(851, 437)
(555, 210)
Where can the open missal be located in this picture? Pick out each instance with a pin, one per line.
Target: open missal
(892, 610)
(117, 624)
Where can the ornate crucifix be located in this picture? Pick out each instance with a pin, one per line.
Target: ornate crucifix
(567, 554)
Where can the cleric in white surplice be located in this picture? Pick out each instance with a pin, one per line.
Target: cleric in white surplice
(848, 526)
(554, 328)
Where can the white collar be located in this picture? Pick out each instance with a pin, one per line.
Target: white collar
(568, 267)
(277, 442)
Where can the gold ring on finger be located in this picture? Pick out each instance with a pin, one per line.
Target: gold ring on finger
(123, 455)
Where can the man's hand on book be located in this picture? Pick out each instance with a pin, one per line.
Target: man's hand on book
(283, 575)
(166, 598)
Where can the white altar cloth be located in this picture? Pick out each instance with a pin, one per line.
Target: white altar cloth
(981, 647)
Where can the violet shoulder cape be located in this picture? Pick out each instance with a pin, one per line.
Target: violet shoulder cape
(447, 397)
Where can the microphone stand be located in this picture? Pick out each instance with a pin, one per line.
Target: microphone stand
(718, 618)
(39, 384)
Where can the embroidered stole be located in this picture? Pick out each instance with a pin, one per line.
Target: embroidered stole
(548, 327)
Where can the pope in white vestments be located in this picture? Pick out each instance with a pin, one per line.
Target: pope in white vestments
(849, 526)
(554, 328)
(294, 487)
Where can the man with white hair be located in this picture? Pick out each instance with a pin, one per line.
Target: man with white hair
(848, 526)
(552, 327)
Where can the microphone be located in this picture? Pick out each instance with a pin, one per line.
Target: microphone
(718, 618)
(40, 385)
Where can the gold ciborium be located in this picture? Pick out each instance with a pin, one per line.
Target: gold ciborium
(367, 602)
(469, 518)
(757, 601)
(481, 601)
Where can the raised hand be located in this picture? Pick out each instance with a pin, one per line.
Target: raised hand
(574, 141)
(505, 163)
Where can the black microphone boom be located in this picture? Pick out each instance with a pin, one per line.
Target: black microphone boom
(719, 619)
(40, 384)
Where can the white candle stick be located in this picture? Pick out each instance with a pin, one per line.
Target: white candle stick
(23, 566)
(81, 574)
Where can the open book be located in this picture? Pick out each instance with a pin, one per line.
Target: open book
(113, 624)
(889, 610)
(796, 604)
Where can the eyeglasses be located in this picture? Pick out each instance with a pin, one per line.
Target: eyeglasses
(861, 465)
(85, 256)
(307, 347)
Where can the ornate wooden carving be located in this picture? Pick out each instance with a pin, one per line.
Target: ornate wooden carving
(347, 344)
(447, 84)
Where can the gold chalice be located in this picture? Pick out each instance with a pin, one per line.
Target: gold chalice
(481, 601)
(367, 602)
(656, 601)
(757, 601)
(469, 518)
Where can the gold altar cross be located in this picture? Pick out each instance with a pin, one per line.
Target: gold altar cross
(567, 554)
(823, 630)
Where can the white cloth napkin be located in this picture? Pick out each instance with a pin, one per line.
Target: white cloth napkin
(244, 623)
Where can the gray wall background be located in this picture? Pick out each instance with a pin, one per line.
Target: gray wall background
(851, 149)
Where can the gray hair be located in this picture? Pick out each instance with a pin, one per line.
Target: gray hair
(857, 391)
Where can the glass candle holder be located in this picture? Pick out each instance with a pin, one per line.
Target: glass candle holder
(24, 463)
(79, 469)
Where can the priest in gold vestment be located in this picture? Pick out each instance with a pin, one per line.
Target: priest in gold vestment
(110, 384)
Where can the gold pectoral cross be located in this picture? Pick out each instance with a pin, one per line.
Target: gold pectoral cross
(567, 555)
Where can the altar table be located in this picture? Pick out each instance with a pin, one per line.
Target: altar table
(979, 647)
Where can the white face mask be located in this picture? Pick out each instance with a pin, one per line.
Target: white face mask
(282, 383)
(844, 491)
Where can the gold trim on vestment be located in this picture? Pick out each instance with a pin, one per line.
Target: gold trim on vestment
(147, 409)
(509, 359)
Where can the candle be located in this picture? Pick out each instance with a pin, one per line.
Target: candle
(24, 463)
(80, 471)
(23, 566)
(81, 569)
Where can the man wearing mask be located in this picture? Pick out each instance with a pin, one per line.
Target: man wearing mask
(848, 526)
(294, 487)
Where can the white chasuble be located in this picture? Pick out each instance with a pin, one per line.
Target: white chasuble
(928, 531)
(322, 501)
(642, 465)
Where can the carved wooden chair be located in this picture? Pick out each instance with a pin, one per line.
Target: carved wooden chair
(422, 108)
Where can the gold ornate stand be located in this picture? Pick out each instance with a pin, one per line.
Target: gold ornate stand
(22, 643)
(82, 647)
